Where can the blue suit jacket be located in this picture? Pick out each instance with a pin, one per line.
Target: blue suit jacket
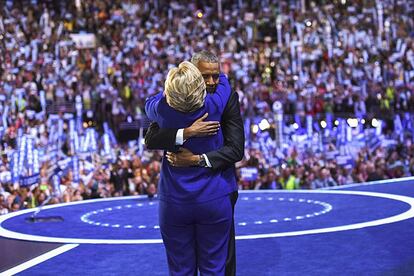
(193, 184)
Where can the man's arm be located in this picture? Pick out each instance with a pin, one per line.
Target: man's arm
(170, 138)
(233, 132)
(161, 138)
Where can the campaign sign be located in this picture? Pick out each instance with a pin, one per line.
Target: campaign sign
(249, 174)
(84, 41)
(29, 180)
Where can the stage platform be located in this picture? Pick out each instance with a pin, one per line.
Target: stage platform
(350, 230)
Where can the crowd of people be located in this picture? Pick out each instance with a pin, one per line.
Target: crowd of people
(346, 58)
(313, 170)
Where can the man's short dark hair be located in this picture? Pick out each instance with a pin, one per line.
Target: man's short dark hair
(205, 56)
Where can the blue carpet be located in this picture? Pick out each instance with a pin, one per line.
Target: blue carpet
(347, 209)
(130, 214)
(106, 260)
(255, 214)
(380, 250)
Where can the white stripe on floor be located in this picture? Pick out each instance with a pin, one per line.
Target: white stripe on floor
(40, 259)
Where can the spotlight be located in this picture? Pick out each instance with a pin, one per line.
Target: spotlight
(255, 129)
(375, 123)
(336, 122)
(264, 124)
(323, 124)
(352, 122)
(200, 15)
(295, 126)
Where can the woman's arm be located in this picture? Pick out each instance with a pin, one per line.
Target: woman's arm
(151, 106)
(220, 98)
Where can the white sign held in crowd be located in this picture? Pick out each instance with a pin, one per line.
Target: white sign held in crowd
(84, 41)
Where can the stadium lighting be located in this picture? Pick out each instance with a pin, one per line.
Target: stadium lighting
(295, 126)
(323, 124)
(264, 124)
(375, 123)
(352, 122)
(363, 121)
(336, 122)
(255, 129)
(308, 23)
(200, 15)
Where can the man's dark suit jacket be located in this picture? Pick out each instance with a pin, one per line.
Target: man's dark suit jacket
(233, 132)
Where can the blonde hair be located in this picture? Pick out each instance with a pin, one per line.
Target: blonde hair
(185, 89)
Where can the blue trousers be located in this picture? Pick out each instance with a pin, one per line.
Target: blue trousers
(196, 236)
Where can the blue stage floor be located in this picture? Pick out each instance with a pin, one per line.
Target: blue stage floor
(360, 229)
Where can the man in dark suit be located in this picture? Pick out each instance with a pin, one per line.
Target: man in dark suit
(233, 132)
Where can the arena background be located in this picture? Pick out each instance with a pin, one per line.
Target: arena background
(325, 89)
